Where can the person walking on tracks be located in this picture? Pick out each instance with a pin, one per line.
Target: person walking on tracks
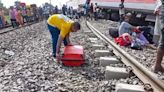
(160, 51)
(60, 26)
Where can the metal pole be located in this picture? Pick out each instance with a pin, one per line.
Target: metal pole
(50, 8)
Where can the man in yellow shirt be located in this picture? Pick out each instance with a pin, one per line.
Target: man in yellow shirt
(60, 26)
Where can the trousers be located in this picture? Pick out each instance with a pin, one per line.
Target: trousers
(55, 32)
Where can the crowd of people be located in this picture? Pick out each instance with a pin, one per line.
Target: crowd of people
(21, 14)
(88, 11)
(17, 16)
(92, 10)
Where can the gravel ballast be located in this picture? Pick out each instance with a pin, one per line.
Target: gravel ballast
(26, 64)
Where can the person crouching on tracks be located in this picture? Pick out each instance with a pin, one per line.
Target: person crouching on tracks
(60, 27)
(160, 51)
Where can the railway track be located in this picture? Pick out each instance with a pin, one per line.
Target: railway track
(9, 29)
(146, 76)
(32, 68)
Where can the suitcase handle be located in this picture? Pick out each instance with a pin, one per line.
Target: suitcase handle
(72, 59)
(70, 45)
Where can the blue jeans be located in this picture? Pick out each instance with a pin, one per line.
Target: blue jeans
(1, 22)
(55, 34)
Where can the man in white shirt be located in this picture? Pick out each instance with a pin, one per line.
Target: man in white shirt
(160, 52)
(157, 23)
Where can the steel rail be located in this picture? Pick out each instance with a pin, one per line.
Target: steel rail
(3, 32)
(145, 75)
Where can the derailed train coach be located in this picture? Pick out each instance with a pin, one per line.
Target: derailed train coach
(142, 10)
(75, 3)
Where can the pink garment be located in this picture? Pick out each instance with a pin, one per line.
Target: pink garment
(12, 14)
(19, 17)
(23, 12)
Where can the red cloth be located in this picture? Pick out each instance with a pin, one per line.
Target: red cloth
(136, 30)
(122, 40)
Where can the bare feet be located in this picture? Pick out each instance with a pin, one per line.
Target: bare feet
(151, 46)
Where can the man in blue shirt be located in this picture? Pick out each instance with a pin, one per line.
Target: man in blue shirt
(125, 27)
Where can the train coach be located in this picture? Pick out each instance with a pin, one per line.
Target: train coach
(142, 10)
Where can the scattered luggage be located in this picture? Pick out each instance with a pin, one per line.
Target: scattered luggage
(123, 40)
(73, 55)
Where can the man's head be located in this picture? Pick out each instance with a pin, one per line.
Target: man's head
(127, 17)
(75, 27)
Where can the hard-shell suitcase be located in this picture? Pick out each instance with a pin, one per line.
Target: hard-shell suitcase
(73, 56)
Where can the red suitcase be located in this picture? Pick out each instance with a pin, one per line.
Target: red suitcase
(73, 56)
